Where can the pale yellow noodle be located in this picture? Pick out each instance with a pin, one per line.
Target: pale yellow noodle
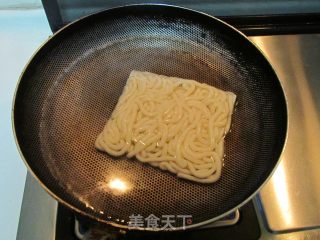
(174, 124)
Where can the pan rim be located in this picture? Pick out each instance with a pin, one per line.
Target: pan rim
(114, 224)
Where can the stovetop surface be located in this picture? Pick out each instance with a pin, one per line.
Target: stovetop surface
(246, 228)
(291, 199)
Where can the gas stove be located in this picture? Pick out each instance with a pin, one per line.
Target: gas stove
(85, 229)
(288, 205)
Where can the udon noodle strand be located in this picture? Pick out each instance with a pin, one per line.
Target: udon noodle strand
(174, 124)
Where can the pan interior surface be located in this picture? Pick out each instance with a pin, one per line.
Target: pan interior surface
(73, 83)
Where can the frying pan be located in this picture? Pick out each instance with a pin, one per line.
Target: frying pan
(73, 82)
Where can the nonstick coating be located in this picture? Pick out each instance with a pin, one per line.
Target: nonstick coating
(72, 84)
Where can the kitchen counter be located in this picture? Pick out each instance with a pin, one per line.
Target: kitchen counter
(21, 33)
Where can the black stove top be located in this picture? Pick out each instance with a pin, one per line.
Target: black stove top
(247, 227)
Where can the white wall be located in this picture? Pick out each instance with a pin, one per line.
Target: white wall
(21, 33)
(14, 4)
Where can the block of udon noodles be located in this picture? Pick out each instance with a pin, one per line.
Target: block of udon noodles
(175, 124)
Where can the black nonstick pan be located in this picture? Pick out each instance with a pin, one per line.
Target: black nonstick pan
(73, 82)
